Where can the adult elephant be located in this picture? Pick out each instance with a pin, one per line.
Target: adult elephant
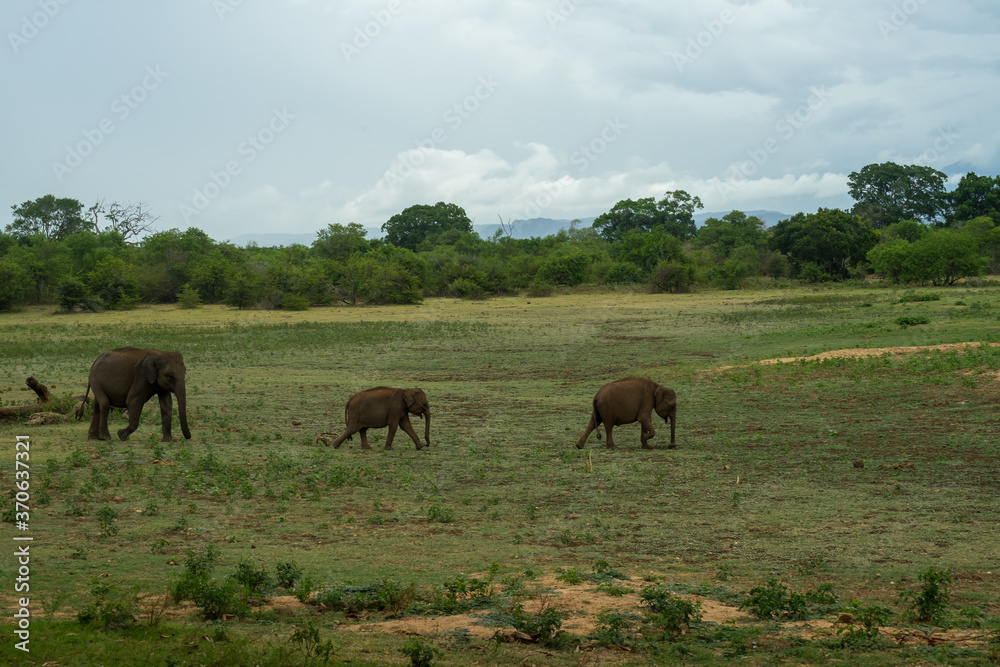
(629, 400)
(385, 406)
(127, 377)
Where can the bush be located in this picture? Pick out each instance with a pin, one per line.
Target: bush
(624, 273)
(74, 294)
(812, 273)
(287, 574)
(731, 274)
(386, 595)
(188, 298)
(931, 603)
(463, 288)
(911, 320)
(295, 302)
(540, 288)
(419, 653)
(671, 612)
(110, 607)
(672, 276)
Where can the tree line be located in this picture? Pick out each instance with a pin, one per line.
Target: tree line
(905, 227)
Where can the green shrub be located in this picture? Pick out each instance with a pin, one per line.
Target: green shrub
(543, 627)
(463, 288)
(624, 273)
(731, 274)
(386, 595)
(106, 517)
(570, 576)
(929, 296)
(252, 580)
(296, 302)
(287, 574)
(911, 320)
(188, 298)
(74, 294)
(672, 276)
(616, 628)
(109, 607)
(440, 514)
(419, 653)
(931, 603)
(671, 612)
(774, 599)
(540, 288)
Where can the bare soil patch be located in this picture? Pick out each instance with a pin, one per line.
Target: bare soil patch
(858, 352)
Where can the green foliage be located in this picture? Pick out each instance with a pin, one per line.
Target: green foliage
(307, 637)
(386, 595)
(543, 627)
(106, 517)
(831, 239)
(14, 283)
(253, 580)
(49, 217)
(464, 288)
(421, 222)
(419, 653)
(672, 277)
(911, 320)
(674, 214)
(570, 576)
(110, 607)
(287, 574)
(564, 269)
(188, 298)
(775, 599)
(913, 298)
(616, 628)
(295, 302)
(864, 638)
(973, 197)
(669, 611)
(888, 192)
(436, 513)
(930, 604)
(732, 274)
(624, 273)
(540, 288)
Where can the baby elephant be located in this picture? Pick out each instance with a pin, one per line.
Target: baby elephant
(384, 406)
(630, 400)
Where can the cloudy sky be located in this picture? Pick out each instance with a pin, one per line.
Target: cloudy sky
(252, 116)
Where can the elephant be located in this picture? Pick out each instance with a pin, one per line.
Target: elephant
(629, 400)
(127, 377)
(379, 407)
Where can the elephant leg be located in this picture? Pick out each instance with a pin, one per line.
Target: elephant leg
(610, 444)
(591, 426)
(134, 412)
(408, 428)
(364, 438)
(392, 434)
(99, 421)
(166, 412)
(647, 432)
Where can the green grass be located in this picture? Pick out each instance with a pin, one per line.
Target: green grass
(761, 486)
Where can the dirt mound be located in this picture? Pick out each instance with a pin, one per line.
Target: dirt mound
(857, 352)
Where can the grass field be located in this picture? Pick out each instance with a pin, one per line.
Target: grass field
(763, 483)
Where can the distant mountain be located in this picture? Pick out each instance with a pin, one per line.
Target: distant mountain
(526, 229)
(273, 240)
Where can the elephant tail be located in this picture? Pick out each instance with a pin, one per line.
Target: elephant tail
(83, 403)
(597, 420)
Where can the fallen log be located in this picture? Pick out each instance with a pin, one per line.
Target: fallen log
(44, 396)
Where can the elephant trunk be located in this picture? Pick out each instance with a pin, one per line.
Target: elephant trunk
(427, 427)
(181, 394)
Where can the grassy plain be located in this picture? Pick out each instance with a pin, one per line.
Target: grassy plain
(761, 485)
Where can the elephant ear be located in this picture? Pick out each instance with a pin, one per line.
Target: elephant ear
(148, 368)
(411, 396)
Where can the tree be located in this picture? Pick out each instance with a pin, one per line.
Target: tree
(132, 221)
(831, 239)
(973, 197)
(422, 221)
(647, 249)
(14, 283)
(339, 241)
(888, 192)
(939, 257)
(733, 230)
(52, 218)
(674, 213)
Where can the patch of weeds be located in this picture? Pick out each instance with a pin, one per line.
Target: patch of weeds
(420, 653)
(927, 296)
(461, 595)
(669, 612)
(109, 607)
(254, 581)
(866, 637)
(604, 573)
(386, 596)
(724, 573)
(614, 590)
(969, 617)
(151, 509)
(774, 600)
(617, 628)
(106, 517)
(160, 546)
(306, 639)
(911, 320)
(543, 627)
(287, 574)
(570, 576)
(930, 605)
(439, 514)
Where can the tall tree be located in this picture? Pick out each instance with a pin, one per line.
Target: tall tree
(973, 197)
(48, 216)
(832, 239)
(424, 222)
(888, 192)
(733, 230)
(674, 213)
(339, 241)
